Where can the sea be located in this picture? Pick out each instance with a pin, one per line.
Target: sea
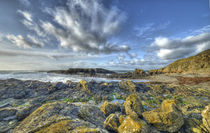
(53, 77)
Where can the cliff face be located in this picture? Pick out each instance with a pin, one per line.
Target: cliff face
(199, 63)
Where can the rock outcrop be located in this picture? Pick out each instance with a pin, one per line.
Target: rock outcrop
(197, 64)
(62, 117)
(166, 118)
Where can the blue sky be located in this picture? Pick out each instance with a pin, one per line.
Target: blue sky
(112, 34)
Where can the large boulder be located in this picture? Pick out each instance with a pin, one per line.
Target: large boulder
(108, 108)
(128, 86)
(206, 117)
(57, 117)
(166, 118)
(112, 122)
(133, 106)
(133, 125)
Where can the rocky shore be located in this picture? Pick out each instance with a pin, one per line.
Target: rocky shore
(91, 107)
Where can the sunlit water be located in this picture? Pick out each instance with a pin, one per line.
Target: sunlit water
(52, 77)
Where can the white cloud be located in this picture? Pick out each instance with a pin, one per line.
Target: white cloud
(179, 48)
(49, 54)
(19, 40)
(86, 26)
(30, 24)
(26, 14)
(35, 40)
(22, 42)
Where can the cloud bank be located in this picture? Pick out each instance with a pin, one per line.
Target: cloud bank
(178, 48)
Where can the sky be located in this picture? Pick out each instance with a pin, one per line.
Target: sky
(110, 34)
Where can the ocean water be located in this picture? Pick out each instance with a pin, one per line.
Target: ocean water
(52, 77)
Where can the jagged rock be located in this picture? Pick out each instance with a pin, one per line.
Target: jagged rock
(128, 86)
(133, 106)
(83, 85)
(133, 125)
(108, 108)
(166, 118)
(206, 117)
(112, 122)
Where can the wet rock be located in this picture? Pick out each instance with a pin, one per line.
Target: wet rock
(7, 113)
(112, 122)
(166, 118)
(52, 116)
(23, 113)
(69, 83)
(57, 86)
(128, 86)
(83, 85)
(108, 108)
(133, 106)
(206, 117)
(45, 115)
(7, 126)
(133, 125)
